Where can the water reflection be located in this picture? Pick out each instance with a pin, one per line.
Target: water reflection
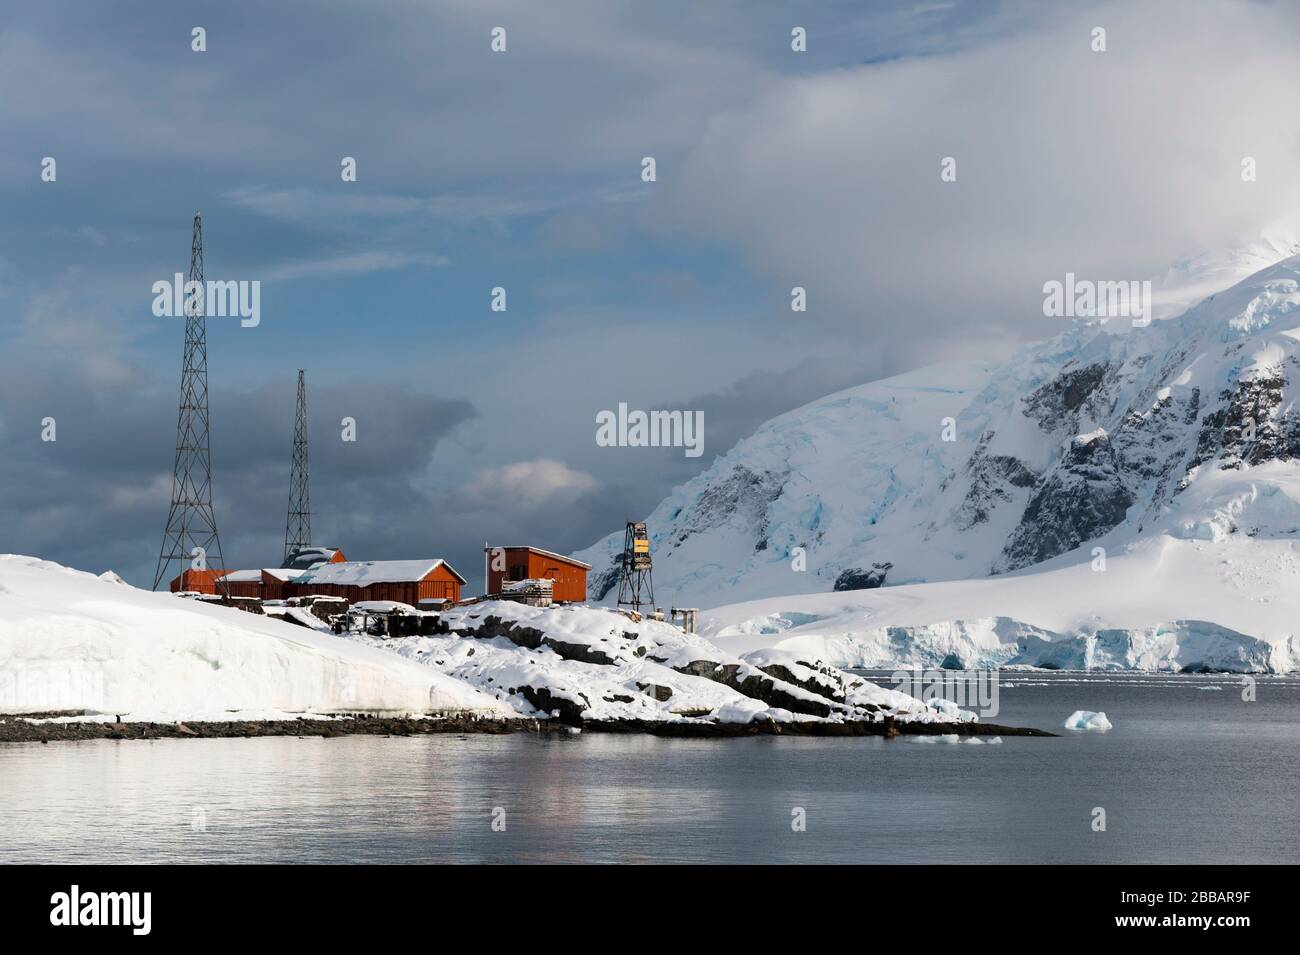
(1184, 776)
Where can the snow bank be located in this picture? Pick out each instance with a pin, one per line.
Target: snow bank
(383, 606)
(746, 710)
(70, 640)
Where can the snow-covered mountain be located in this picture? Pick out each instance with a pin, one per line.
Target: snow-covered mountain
(1104, 441)
(1191, 280)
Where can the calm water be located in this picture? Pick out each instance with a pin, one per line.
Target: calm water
(1190, 773)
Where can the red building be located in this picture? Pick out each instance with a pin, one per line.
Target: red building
(197, 581)
(264, 584)
(406, 581)
(533, 563)
(275, 582)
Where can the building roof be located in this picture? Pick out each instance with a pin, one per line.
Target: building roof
(363, 573)
(306, 557)
(545, 553)
(255, 576)
(242, 576)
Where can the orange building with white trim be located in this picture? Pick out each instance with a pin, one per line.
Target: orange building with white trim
(532, 563)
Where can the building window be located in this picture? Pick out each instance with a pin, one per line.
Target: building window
(518, 571)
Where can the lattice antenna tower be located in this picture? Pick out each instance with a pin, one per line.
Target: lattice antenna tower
(297, 526)
(190, 538)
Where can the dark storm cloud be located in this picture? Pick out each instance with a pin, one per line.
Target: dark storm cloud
(96, 497)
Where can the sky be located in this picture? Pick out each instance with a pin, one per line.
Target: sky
(522, 169)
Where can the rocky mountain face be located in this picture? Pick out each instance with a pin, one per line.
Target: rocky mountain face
(965, 470)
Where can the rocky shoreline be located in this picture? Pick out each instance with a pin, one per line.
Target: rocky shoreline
(19, 729)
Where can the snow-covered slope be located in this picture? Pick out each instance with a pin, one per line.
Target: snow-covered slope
(1193, 279)
(582, 663)
(1103, 436)
(73, 641)
(842, 478)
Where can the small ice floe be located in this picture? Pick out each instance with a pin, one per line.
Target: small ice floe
(1087, 720)
(945, 738)
(980, 741)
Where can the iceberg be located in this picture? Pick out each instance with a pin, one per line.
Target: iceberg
(1087, 720)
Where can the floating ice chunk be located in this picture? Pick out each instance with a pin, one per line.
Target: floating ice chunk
(945, 738)
(1087, 720)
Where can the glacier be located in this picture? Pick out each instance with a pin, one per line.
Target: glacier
(1112, 497)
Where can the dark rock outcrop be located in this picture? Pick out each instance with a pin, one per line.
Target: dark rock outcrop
(568, 711)
(757, 685)
(1082, 498)
(661, 693)
(855, 578)
(532, 639)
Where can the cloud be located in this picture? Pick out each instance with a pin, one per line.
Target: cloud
(97, 497)
(525, 485)
(307, 205)
(85, 233)
(351, 263)
(1107, 164)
